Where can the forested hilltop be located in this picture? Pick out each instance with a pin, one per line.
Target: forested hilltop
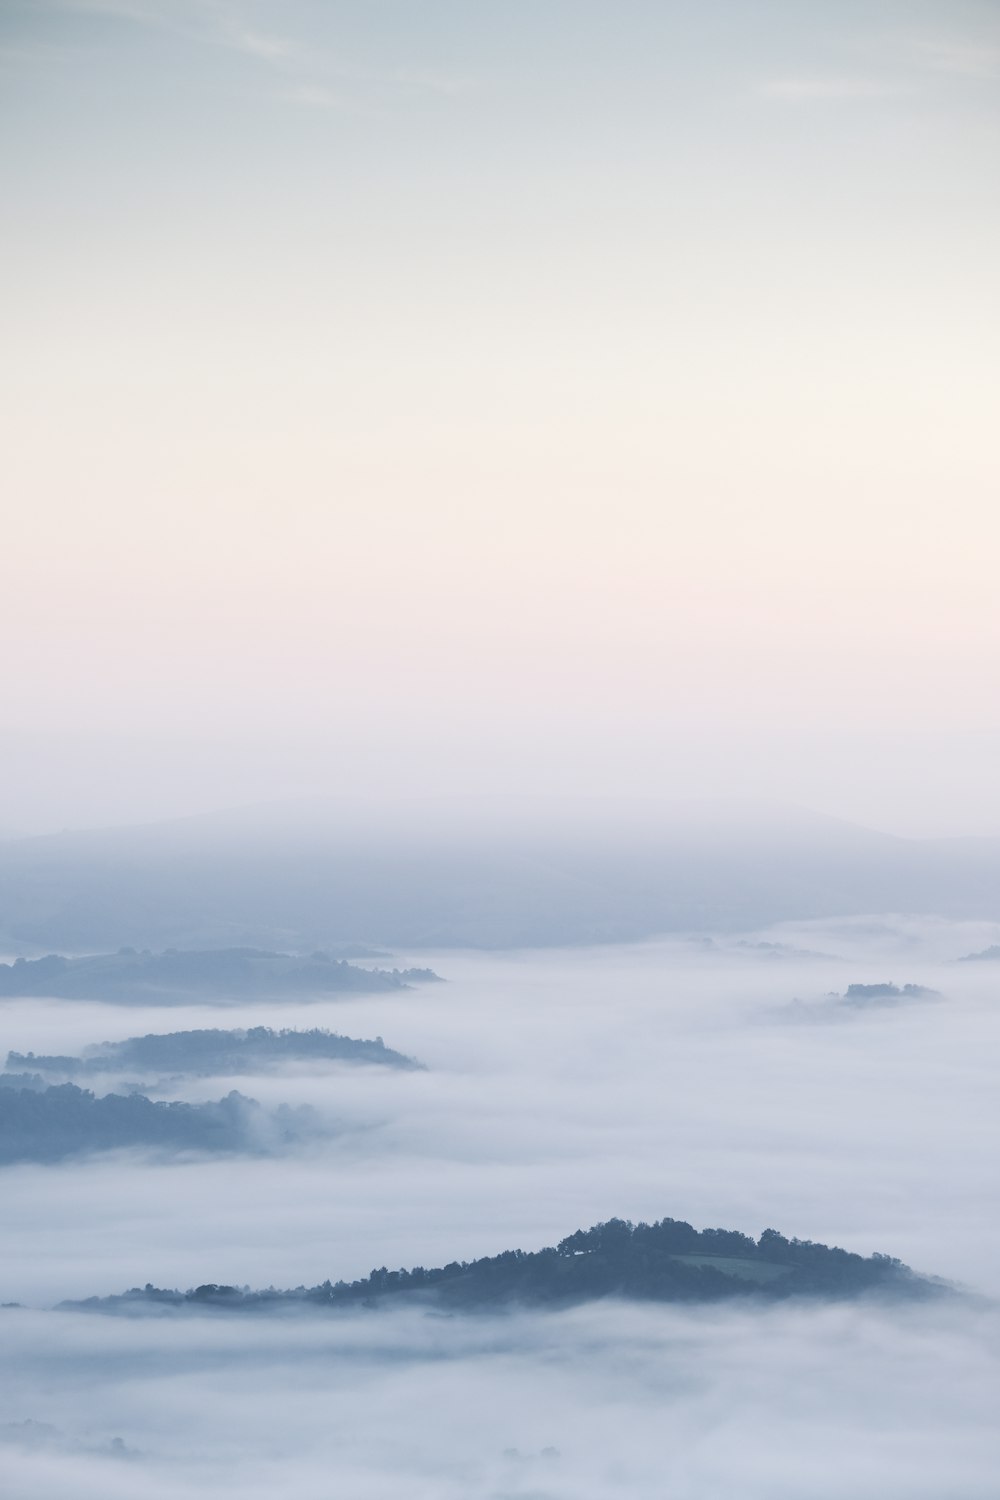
(668, 1261)
(210, 1052)
(43, 1123)
(128, 975)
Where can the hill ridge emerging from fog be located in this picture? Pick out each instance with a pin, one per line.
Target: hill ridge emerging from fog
(479, 874)
(237, 972)
(667, 1261)
(208, 1052)
(42, 1122)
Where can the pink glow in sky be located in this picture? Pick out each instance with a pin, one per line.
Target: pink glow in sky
(577, 397)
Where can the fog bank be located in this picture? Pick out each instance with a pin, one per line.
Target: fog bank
(594, 1403)
(562, 1089)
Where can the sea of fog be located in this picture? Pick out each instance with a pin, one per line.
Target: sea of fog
(714, 1080)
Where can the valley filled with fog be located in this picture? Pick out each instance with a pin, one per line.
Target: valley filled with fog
(732, 1080)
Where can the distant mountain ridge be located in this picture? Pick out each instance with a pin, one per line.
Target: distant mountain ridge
(668, 1261)
(482, 874)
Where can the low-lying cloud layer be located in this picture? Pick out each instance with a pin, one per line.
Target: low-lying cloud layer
(561, 1088)
(600, 1402)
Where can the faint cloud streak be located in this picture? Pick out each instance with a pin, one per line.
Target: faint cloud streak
(811, 89)
(313, 74)
(963, 59)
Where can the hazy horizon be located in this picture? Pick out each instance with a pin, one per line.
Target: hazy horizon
(485, 812)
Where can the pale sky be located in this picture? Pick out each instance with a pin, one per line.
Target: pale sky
(583, 397)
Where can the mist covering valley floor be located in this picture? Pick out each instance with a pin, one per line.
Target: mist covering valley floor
(728, 1080)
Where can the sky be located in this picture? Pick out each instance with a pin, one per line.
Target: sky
(528, 398)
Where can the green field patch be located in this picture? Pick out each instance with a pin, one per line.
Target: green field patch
(743, 1270)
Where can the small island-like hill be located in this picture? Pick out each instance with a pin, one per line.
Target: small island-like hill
(668, 1261)
(212, 1052)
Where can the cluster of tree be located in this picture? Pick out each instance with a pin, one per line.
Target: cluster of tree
(128, 975)
(886, 994)
(33, 1081)
(668, 1261)
(777, 950)
(210, 1052)
(41, 1437)
(50, 1123)
(986, 955)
